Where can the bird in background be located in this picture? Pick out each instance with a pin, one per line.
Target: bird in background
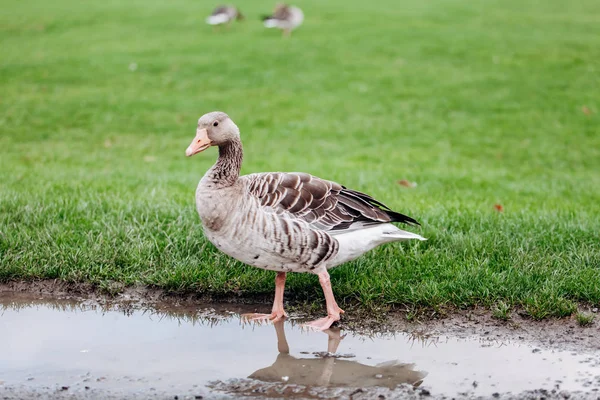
(224, 15)
(285, 222)
(284, 17)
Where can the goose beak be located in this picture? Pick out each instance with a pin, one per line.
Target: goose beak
(200, 143)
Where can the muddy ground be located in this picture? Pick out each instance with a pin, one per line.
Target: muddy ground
(266, 392)
(543, 336)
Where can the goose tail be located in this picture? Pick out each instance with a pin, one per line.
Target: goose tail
(270, 22)
(399, 234)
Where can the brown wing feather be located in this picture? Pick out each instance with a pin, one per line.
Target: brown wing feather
(323, 204)
(219, 10)
(282, 12)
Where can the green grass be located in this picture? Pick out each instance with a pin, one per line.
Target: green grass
(483, 103)
(584, 319)
(501, 311)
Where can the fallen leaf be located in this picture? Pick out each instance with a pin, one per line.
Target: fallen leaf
(586, 110)
(149, 158)
(498, 207)
(406, 183)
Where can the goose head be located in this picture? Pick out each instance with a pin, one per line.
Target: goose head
(214, 129)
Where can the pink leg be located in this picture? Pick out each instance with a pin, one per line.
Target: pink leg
(278, 302)
(333, 311)
(277, 313)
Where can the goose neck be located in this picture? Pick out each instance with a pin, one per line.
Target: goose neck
(226, 170)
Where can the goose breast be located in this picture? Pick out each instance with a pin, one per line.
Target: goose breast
(238, 225)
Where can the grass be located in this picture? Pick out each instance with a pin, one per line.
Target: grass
(584, 319)
(482, 104)
(501, 311)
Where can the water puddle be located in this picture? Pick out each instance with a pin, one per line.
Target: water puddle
(82, 348)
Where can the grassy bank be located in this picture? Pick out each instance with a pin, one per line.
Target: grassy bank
(480, 104)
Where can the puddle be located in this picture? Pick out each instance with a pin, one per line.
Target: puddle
(81, 348)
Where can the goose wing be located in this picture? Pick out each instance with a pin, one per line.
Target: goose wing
(221, 15)
(281, 13)
(323, 204)
(227, 10)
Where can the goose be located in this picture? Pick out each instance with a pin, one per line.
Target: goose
(224, 15)
(286, 18)
(285, 222)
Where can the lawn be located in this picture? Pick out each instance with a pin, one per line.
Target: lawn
(480, 103)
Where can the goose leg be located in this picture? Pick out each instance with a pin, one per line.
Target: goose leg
(282, 345)
(277, 313)
(333, 340)
(333, 310)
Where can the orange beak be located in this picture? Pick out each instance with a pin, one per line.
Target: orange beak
(200, 143)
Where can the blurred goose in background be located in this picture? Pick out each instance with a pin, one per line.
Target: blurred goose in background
(224, 15)
(285, 222)
(286, 18)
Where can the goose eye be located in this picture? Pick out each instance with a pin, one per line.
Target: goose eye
(215, 123)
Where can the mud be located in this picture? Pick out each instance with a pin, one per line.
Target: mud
(140, 346)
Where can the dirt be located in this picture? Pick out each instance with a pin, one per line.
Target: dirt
(58, 393)
(274, 391)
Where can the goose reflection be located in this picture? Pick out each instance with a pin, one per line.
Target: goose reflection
(331, 371)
